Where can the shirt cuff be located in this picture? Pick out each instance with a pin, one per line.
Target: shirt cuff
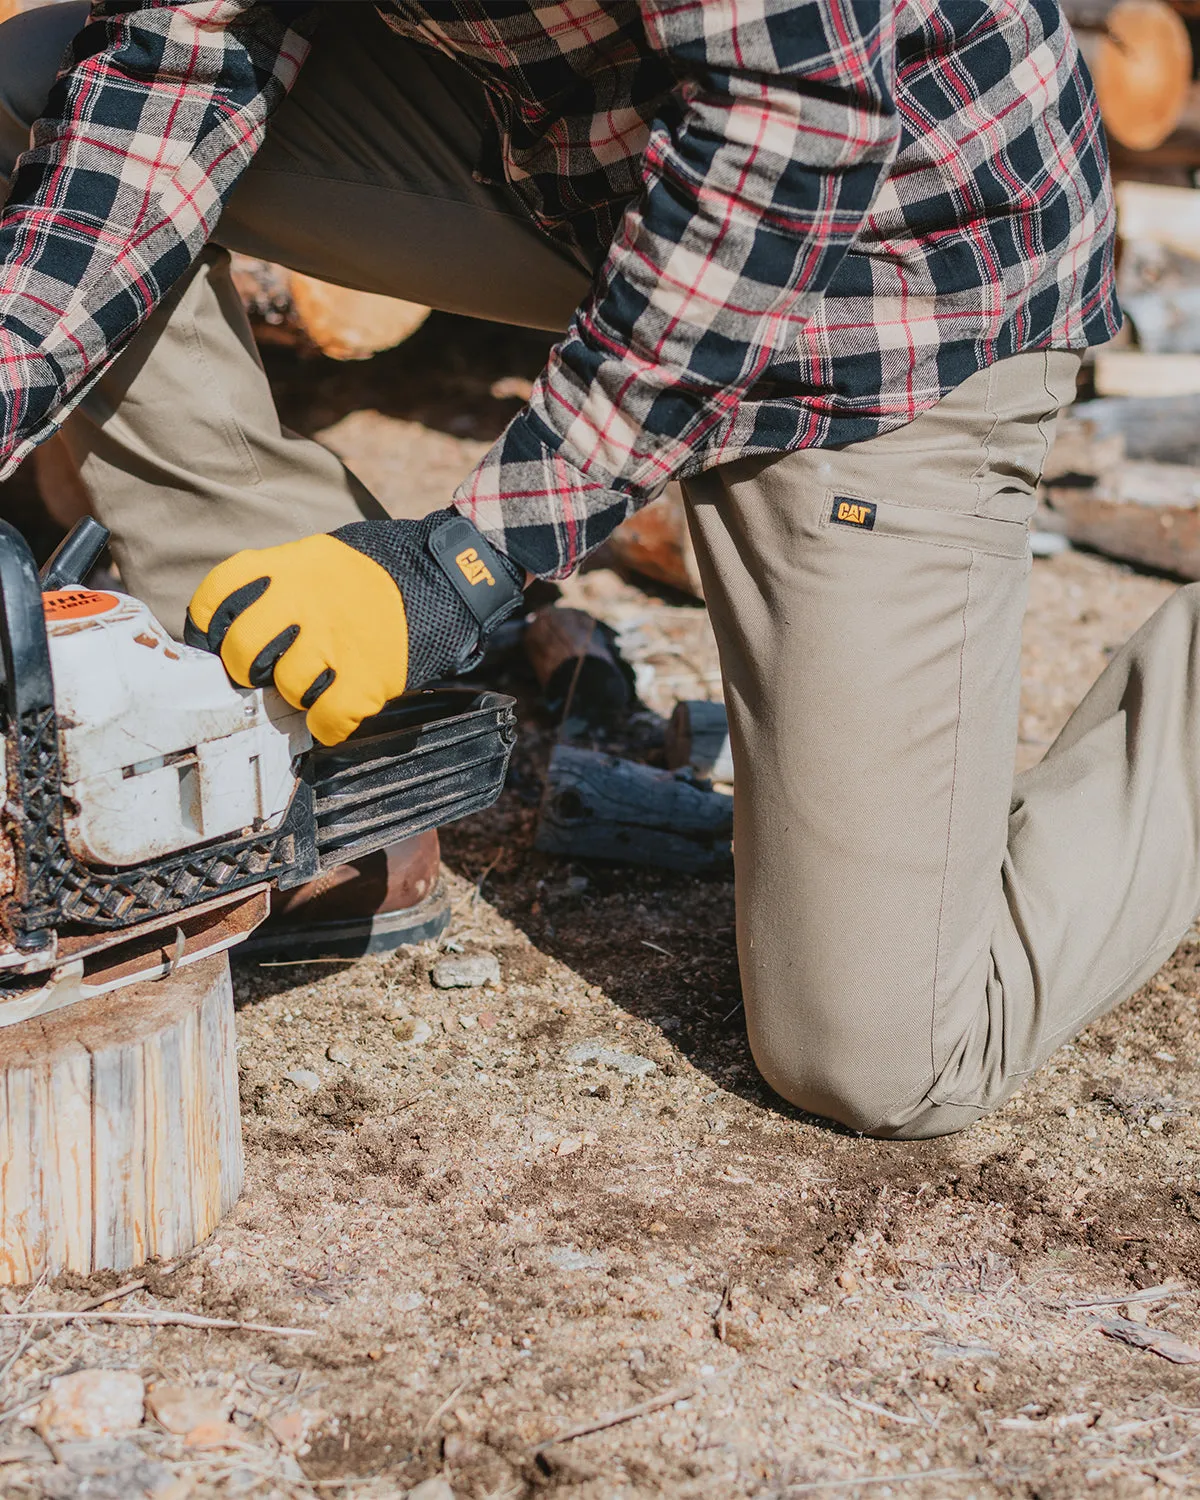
(31, 388)
(538, 508)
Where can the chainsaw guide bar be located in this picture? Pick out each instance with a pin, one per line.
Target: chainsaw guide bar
(428, 759)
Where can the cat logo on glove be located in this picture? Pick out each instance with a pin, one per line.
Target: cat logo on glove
(474, 569)
(860, 513)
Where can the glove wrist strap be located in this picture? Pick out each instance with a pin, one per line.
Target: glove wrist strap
(475, 570)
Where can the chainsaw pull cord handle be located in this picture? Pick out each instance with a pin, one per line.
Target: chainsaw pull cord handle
(76, 555)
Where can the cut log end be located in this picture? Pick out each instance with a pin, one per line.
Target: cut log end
(1141, 64)
(120, 1138)
(287, 307)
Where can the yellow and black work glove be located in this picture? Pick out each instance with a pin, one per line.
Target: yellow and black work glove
(343, 623)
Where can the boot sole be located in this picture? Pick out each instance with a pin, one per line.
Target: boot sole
(353, 939)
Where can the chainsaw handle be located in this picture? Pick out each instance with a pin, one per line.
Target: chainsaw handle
(28, 684)
(76, 555)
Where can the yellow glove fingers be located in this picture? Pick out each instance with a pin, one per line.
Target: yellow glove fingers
(225, 579)
(298, 668)
(340, 709)
(303, 609)
(253, 630)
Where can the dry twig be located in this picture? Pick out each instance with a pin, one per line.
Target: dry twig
(115, 1295)
(153, 1317)
(850, 1484)
(616, 1418)
(444, 1406)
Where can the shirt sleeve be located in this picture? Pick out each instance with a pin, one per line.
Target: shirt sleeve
(756, 180)
(158, 111)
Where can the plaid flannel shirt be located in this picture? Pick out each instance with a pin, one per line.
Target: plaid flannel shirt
(807, 220)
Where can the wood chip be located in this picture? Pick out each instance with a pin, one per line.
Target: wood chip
(1157, 1340)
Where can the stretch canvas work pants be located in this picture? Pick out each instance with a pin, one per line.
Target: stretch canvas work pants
(916, 932)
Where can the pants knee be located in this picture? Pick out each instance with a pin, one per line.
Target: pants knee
(867, 1085)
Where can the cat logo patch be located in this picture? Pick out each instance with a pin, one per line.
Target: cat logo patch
(473, 568)
(860, 513)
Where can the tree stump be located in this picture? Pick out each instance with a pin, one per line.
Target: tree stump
(120, 1137)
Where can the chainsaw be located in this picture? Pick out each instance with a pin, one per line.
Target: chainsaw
(152, 804)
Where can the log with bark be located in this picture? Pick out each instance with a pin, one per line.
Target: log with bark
(1130, 372)
(600, 807)
(1143, 513)
(1158, 275)
(656, 543)
(1096, 436)
(1100, 492)
(577, 666)
(698, 736)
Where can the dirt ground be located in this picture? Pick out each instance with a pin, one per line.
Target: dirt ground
(494, 1244)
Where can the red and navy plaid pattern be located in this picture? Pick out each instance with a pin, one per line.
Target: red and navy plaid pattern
(808, 220)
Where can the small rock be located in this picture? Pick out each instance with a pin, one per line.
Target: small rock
(432, 1489)
(468, 1023)
(466, 971)
(460, 1451)
(414, 1032)
(215, 1435)
(291, 1429)
(340, 1052)
(1048, 543)
(568, 1258)
(847, 1280)
(568, 1146)
(181, 1408)
(487, 1019)
(115, 1469)
(93, 1404)
(303, 1078)
(407, 1302)
(628, 1064)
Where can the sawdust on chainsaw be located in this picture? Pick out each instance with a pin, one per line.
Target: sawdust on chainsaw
(496, 1244)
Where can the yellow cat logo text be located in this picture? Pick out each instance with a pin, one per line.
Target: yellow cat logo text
(474, 569)
(857, 513)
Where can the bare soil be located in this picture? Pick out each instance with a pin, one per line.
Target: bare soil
(495, 1245)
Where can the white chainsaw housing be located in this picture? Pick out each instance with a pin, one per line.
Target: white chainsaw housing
(159, 750)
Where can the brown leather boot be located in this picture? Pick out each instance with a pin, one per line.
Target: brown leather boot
(371, 905)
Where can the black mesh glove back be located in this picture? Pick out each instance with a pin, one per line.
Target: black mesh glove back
(446, 636)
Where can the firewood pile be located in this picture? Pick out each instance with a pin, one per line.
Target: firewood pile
(1124, 475)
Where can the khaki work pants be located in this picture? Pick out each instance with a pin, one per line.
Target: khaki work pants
(915, 933)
